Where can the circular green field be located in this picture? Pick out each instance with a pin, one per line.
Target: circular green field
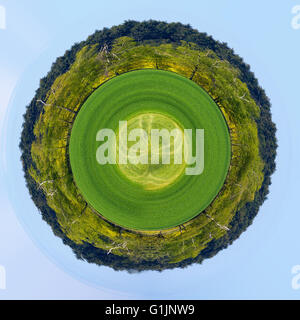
(149, 195)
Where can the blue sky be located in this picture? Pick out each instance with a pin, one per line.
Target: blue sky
(258, 265)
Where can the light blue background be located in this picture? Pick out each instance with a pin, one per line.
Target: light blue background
(258, 265)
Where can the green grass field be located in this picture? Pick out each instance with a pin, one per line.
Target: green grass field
(149, 197)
